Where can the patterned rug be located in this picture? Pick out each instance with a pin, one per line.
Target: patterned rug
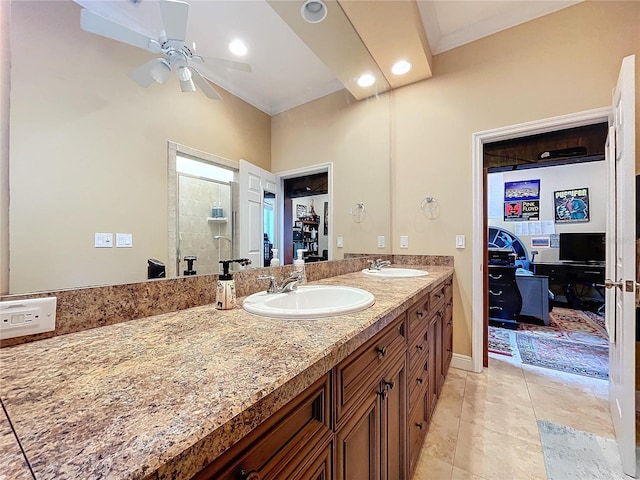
(500, 341)
(565, 356)
(571, 325)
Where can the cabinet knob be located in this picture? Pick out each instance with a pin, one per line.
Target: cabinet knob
(252, 475)
(381, 351)
(420, 314)
(420, 347)
(419, 380)
(419, 425)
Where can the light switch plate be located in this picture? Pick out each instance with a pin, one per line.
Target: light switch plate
(459, 241)
(404, 241)
(124, 240)
(339, 242)
(26, 317)
(103, 240)
(380, 241)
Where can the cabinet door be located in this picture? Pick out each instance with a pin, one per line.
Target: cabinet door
(432, 367)
(394, 423)
(358, 442)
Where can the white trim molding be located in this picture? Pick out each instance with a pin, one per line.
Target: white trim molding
(478, 139)
(463, 362)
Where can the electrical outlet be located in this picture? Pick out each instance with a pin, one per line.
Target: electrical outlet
(380, 241)
(26, 317)
(404, 241)
(339, 242)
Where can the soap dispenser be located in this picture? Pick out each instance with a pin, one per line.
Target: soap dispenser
(226, 288)
(275, 261)
(298, 264)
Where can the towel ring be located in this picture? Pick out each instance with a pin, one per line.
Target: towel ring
(358, 212)
(430, 207)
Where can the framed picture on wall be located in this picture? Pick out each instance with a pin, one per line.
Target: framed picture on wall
(571, 206)
(301, 211)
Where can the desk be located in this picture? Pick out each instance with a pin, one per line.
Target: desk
(565, 276)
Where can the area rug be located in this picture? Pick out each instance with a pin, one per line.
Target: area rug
(572, 454)
(500, 341)
(565, 356)
(571, 325)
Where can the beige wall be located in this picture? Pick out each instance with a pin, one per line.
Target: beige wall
(559, 64)
(355, 137)
(89, 150)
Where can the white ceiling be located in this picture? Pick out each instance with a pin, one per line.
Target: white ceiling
(285, 72)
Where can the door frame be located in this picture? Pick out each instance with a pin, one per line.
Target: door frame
(562, 122)
(301, 172)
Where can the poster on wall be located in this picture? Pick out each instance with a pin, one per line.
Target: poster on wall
(571, 206)
(522, 201)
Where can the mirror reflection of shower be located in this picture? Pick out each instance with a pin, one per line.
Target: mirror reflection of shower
(206, 214)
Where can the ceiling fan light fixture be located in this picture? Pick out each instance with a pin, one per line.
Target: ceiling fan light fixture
(187, 85)
(401, 67)
(184, 74)
(161, 71)
(238, 48)
(313, 11)
(366, 80)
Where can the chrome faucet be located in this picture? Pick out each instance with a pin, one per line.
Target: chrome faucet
(289, 284)
(378, 264)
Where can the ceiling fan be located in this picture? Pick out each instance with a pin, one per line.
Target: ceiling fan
(177, 56)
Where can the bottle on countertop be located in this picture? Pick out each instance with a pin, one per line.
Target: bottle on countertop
(298, 264)
(275, 261)
(226, 289)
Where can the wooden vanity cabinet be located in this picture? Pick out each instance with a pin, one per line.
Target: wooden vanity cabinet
(371, 408)
(367, 418)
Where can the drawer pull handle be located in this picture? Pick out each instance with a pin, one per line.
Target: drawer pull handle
(494, 293)
(388, 385)
(381, 351)
(440, 313)
(419, 380)
(419, 425)
(495, 277)
(253, 475)
(439, 295)
(420, 314)
(495, 308)
(420, 347)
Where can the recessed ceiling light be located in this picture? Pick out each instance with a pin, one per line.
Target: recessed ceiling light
(401, 67)
(313, 11)
(237, 47)
(366, 80)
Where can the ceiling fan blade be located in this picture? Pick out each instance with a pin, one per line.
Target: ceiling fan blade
(174, 16)
(204, 85)
(233, 65)
(99, 25)
(156, 70)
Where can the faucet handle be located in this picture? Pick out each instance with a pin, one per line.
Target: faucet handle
(273, 284)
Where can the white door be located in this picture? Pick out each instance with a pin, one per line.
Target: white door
(621, 270)
(254, 181)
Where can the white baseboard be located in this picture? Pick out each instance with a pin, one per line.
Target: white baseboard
(463, 362)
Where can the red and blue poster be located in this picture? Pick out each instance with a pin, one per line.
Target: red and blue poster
(571, 206)
(522, 200)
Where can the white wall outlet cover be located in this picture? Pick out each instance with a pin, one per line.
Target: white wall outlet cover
(380, 241)
(124, 240)
(103, 240)
(404, 241)
(26, 317)
(460, 241)
(339, 242)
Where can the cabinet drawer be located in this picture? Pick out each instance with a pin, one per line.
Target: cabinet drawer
(438, 295)
(286, 440)
(419, 349)
(418, 382)
(417, 316)
(417, 431)
(362, 369)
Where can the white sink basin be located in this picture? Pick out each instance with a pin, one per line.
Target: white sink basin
(310, 301)
(392, 272)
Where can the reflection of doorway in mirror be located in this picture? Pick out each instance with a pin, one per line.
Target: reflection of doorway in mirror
(269, 219)
(204, 212)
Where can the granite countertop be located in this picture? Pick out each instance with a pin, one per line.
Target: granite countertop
(160, 397)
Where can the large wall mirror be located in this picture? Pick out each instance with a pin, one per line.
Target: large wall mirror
(89, 146)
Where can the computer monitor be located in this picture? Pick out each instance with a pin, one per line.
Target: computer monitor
(582, 247)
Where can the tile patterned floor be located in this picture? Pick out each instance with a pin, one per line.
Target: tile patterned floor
(484, 426)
